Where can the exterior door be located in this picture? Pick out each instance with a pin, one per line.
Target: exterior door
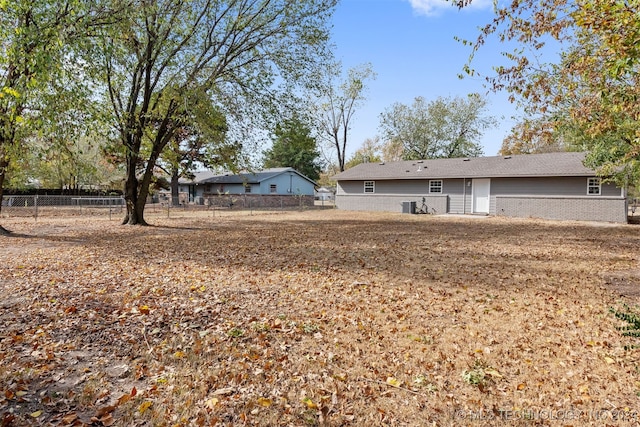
(481, 195)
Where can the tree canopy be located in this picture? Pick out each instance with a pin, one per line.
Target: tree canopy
(590, 95)
(369, 152)
(236, 51)
(533, 136)
(445, 127)
(339, 103)
(199, 139)
(37, 44)
(294, 147)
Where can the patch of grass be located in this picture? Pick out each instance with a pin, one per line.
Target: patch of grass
(475, 374)
(424, 339)
(260, 327)
(631, 318)
(235, 332)
(310, 328)
(480, 374)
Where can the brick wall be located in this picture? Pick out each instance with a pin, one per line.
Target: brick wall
(608, 209)
(256, 201)
(389, 202)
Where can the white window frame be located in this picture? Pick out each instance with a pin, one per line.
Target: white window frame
(433, 187)
(369, 186)
(273, 188)
(594, 183)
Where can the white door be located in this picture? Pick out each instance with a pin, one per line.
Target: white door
(481, 195)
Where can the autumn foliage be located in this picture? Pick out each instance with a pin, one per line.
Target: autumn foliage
(315, 318)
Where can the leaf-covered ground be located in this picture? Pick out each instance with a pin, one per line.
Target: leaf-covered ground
(317, 318)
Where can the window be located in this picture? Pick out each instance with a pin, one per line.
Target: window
(369, 186)
(435, 186)
(593, 186)
(247, 188)
(273, 188)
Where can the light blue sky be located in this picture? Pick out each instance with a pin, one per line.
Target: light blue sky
(411, 45)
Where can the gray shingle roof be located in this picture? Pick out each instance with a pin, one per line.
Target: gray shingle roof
(207, 177)
(523, 165)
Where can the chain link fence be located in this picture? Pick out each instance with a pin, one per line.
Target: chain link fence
(51, 206)
(114, 207)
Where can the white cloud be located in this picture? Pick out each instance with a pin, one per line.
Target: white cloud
(434, 7)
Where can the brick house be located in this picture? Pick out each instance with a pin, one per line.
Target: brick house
(549, 185)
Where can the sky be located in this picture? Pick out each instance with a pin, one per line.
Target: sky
(411, 46)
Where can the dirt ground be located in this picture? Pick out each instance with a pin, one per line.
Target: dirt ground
(325, 318)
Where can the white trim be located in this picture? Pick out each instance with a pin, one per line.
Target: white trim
(476, 184)
(590, 186)
(434, 181)
(371, 187)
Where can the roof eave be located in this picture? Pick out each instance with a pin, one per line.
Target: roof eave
(390, 178)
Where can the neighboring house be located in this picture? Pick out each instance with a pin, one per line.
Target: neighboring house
(550, 185)
(324, 194)
(268, 182)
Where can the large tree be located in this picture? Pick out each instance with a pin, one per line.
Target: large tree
(199, 139)
(445, 127)
(339, 101)
(294, 147)
(532, 136)
(369, 152)
(233, 50)
(590, 94)
(36, 41)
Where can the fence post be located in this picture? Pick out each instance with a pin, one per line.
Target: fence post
(35, 206)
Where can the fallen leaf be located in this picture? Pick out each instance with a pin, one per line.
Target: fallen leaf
(36, 414)
(263, 401)
(493, 373)
(107, 420)
(69, 418)
(393, 382)
(105, 410)
(310, 404)
(223, 391)
(211, 403)
(124, 399)
(144, 406)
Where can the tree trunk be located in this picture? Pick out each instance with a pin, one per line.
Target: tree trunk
(4, 163)
(175, 194)
(135, 213)
(136, 191)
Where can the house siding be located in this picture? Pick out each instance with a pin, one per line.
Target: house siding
(287, 184)
(563, 198)
(556, 186)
